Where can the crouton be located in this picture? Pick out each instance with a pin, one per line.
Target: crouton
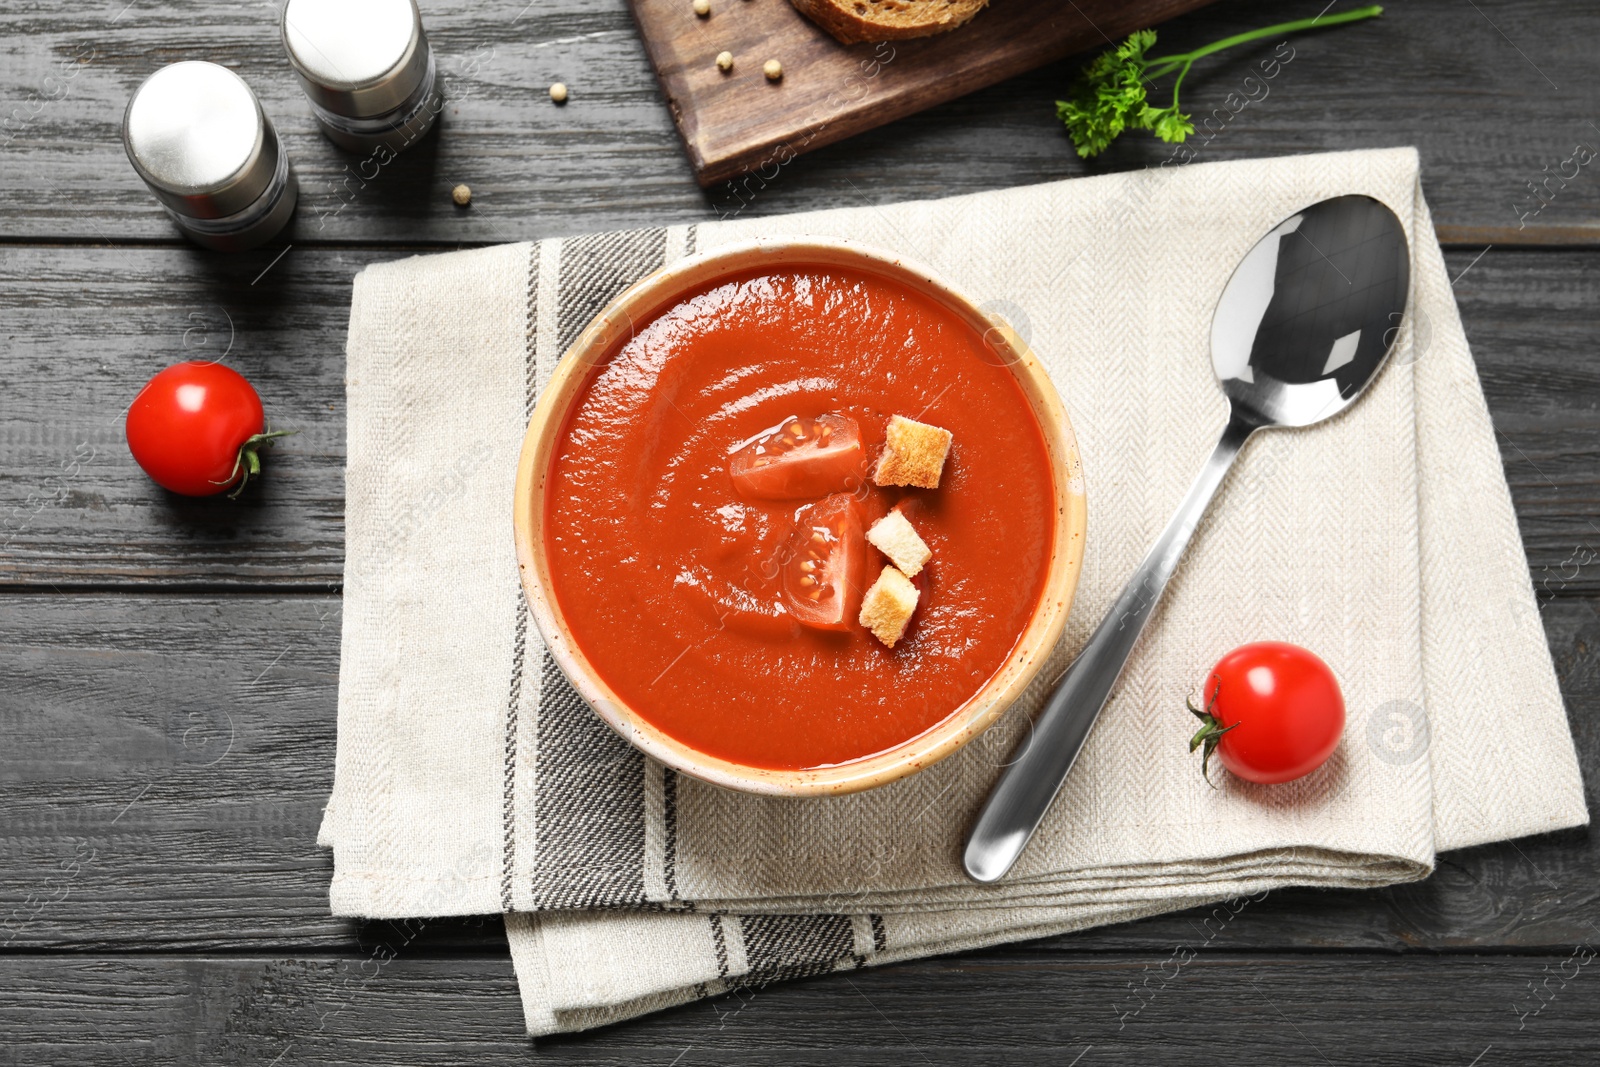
(895, 537)
(888, 605)
(914, 454)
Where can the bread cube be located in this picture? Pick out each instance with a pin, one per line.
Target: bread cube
(914, 454)
(887, 607)
(895, 537)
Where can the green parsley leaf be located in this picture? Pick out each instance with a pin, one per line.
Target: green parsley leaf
(1112, 92)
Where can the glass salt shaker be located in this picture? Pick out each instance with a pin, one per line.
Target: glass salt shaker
(367, 68)
(198, 137)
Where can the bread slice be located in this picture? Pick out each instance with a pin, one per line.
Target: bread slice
(895, 537)
(887, 607)
(913, 455)
(854, 21)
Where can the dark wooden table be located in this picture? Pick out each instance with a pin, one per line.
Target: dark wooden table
(168, 667)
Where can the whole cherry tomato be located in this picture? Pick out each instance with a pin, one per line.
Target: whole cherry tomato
(1273, 713)
(195, 428)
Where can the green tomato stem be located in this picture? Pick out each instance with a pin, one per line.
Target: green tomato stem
(246, 463)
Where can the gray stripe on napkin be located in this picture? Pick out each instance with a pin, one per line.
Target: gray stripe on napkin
(508, 790)
(720, 944)
(669, 818)
(791, 946)
(590, 814)
(508, 846)
(590, 805)
(598, 266)
(530, 346)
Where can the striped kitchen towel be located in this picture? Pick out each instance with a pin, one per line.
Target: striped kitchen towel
(471, 778)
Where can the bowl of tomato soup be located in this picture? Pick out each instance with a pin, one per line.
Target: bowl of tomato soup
(706, 538)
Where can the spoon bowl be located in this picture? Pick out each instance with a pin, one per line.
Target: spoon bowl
(1303, 326)
(1307, 319)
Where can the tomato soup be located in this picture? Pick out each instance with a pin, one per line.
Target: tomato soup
(675, 566)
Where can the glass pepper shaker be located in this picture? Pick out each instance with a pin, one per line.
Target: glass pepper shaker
(198, 137)
(367, 68)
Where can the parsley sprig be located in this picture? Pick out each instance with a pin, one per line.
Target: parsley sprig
(1111, 95)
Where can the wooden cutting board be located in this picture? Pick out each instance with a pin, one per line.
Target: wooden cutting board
(737, 122)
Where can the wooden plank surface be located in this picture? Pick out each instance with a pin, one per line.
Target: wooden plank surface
(88, 326)
(167, 758)
(1436, 74)
(1219, 1008)
(737, 121)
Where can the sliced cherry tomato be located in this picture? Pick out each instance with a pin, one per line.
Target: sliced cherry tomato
(195, 428)
(800, 458)
(824, 577)
(1273, 712)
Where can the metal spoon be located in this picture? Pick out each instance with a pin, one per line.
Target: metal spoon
(1302, 327)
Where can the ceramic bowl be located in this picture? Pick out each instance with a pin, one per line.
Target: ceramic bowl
(599, 342)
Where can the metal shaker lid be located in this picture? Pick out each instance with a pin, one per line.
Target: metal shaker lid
(358, 58)
(197, 136)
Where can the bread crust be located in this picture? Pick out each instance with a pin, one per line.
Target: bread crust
(913, 454)
(841, 20)
(896, 538)
(887, 607)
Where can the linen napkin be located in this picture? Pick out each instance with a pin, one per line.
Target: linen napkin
(471, 778)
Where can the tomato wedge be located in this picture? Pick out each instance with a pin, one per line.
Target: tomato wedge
(800, 457)
(824, 576)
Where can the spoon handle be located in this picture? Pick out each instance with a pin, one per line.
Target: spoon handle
(1041, 762)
